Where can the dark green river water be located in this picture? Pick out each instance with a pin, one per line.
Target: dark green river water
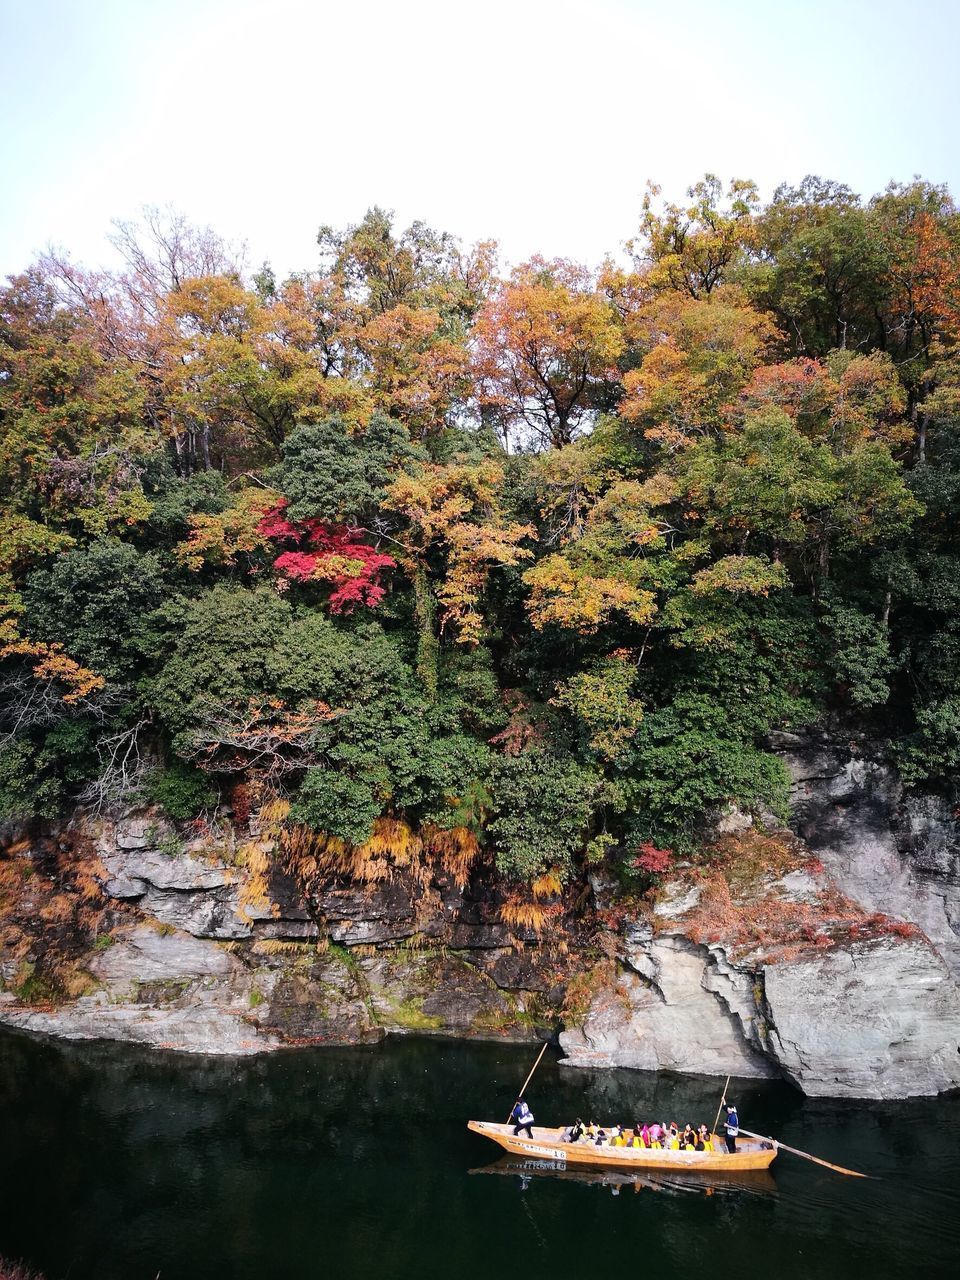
(124, 1165)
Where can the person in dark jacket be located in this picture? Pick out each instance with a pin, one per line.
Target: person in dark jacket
(732, 1128)
(522, 1118)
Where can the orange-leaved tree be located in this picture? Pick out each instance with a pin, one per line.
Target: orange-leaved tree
(545, 344)
(842, 400)
(692, 356)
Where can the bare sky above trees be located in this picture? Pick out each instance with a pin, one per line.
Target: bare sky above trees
(534, 121)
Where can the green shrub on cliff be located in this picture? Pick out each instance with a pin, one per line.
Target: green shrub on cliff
(97, 601)
(543, 807)
(182, 790)
(221, 649)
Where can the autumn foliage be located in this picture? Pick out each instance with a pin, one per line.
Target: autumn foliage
(651, 860)
(470, 566)
(332, 554)
(546, 341)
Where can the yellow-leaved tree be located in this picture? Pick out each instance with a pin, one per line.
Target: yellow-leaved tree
(452, 519)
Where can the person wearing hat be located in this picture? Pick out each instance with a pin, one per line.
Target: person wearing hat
(732, 1128)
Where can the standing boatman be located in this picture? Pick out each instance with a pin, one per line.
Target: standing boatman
(522, 1118)
(732, 1128)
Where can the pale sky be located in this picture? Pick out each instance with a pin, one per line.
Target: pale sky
(534, 122)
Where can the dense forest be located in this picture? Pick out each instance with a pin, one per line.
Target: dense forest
(433, 558)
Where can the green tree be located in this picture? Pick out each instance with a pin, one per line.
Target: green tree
(819, 267)
(98, 602)
(543, 807)
(686, 762)
(401, 750)
(329, 472)
(220, 659)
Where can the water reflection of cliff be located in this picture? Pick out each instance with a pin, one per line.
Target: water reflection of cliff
(759, 1182)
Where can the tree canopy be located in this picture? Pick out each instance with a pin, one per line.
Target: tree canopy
(540, 559)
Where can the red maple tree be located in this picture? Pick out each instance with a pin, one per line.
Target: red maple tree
(332, 553)
(652, 860)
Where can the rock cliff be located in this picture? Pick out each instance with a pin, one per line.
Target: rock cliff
(835, 967)
(875, 1014)
(872, 1018)
(203, 951)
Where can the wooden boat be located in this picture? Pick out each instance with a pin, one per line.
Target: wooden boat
(751, 1153)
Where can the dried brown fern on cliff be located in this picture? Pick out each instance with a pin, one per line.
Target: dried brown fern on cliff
(52, 911)
(774, 928)
(534, 907)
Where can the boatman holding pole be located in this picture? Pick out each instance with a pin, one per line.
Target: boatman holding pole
(732, 1128)
(522, 1118)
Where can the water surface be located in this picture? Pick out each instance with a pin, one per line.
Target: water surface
(120, 1164)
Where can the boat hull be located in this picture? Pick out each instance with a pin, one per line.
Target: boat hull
(546, 1145)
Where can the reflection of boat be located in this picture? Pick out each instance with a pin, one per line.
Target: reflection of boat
(751, 1153)
(753, 1181)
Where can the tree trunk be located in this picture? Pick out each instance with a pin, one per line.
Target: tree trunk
(205, 446)
(428, 649)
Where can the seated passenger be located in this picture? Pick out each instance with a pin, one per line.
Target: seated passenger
(688, 1138)
(575, 1133)
(704, 1140)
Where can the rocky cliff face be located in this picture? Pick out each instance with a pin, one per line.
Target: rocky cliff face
(205, 953)
(877, 1018)
(889, 849)
(205, 945)
(876, 1014)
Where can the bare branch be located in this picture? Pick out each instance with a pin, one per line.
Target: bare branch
(123, 770)
(265, 737)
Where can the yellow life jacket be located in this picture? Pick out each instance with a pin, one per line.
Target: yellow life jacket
(674, 1144)
(707, 1145)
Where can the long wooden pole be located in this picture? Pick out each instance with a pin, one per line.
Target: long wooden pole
(723, 1099)
(523, 1088)
(805, 1155)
